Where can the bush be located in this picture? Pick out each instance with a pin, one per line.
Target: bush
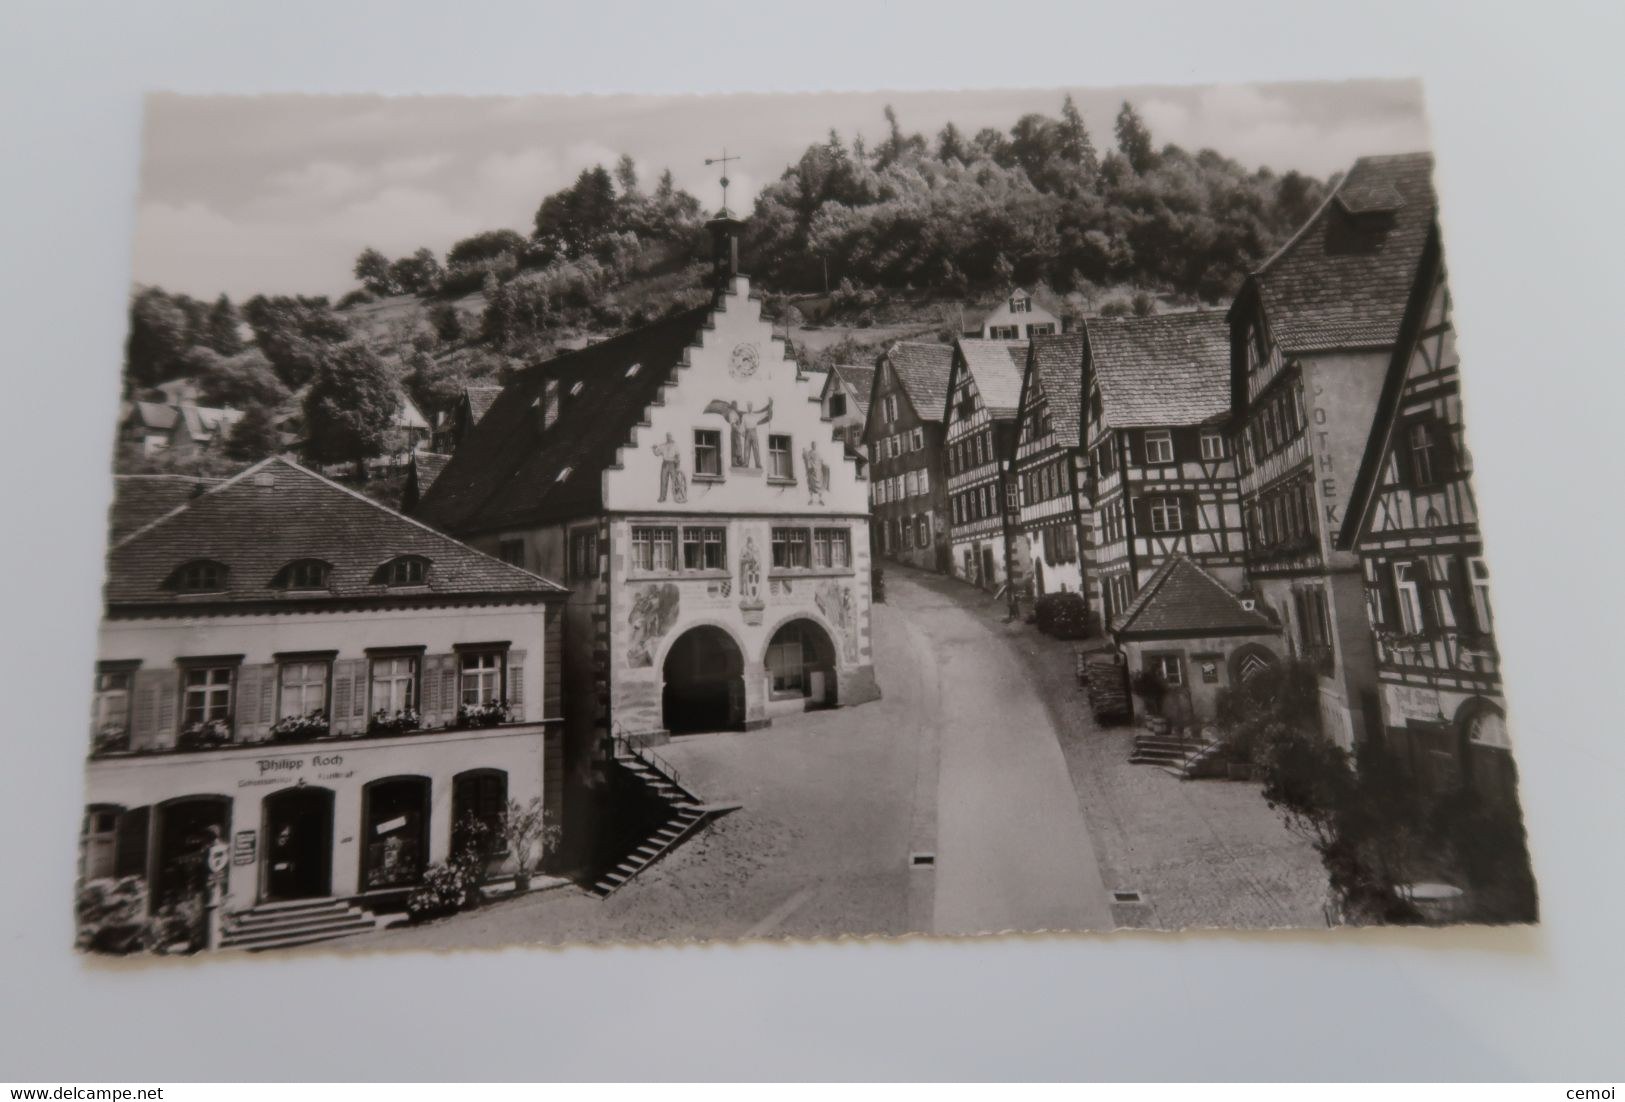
(1143, 304)
(443, 891)
(1063, 615)
(357, 297)
(1149, 686)
(109, 915)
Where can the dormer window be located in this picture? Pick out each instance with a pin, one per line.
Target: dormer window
(302, 574)
(198, 576)
(632, 371)
(405, 570)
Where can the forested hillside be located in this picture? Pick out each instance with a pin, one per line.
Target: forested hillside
(906, 237)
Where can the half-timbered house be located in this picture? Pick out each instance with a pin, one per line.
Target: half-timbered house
(1413, 519)
(904, 430)
(1051, 464)
(1312, 332)
(984, 391)
(1161, 477)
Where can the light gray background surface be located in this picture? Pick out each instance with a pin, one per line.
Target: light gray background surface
(1526, 107)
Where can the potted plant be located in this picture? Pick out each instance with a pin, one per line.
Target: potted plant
(301, 728)
(521, 827)
(204, 734)
(112, 739)
(393, 723)
(483, 715)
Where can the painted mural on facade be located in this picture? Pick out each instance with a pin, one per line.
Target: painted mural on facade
(834, 600)
(654, 611)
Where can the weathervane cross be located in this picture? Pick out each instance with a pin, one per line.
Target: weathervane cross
(723, 161)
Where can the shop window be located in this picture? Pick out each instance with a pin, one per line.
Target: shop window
(395, 821)
(479, 802)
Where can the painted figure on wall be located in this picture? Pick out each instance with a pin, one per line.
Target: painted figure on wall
(671, 471)
(746, 447)
(817, 473)
(835, 602)
(654, 610)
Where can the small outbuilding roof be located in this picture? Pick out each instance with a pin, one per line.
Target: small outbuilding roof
(1181, 600)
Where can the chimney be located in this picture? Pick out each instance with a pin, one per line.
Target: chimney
(725, 230)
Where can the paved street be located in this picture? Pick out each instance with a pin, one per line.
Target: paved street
(981, 754)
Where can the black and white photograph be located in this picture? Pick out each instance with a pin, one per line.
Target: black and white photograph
(636, 518)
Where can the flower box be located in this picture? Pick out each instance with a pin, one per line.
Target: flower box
(483, 715)
(384, 723)
(204, 735)
(301, 728)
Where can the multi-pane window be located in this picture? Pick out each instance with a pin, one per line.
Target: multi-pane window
(583, 554)
(303, 688)
(1165, 515)
(207, 694)
(654, 548)
(778, 457)
(394, 684)
(832, 547)
(406, 570)
(704, 549)
(1159, 446)
(201, 576)
(1423, 458)
(1041, 329)
(1212, 445)
(790, 548)
(1409, 598)
(482, 678)
(302, 574)
(1478, 575)
(891, 407)
(707, 453)
(111, 709)
(1169, 668)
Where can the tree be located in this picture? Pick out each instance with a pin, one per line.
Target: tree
(570, 222)
(254, 437)
(1004, 273)
(489, 245)
(293, 332)
(224, 335)
(241, 382)
(372, 269)
(522, 826)
(418, 274)
(351, 406)
(159, 328)
(1076, 147)
(1134, 140)
(626, 175)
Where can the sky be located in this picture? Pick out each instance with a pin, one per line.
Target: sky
(277, 194)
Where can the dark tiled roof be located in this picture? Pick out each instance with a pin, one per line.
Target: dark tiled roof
(277, 511)
(202, 422)
(923, 369)
(480, 399)
(1165, 369)
(505, 473)
(1343, 280)
(429, 466)
(860, 379)
(997, 368)
(140, 499)
(1181, 598)
(1058, 361)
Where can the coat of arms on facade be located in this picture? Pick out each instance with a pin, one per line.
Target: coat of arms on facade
(746, 448)
(750, 583)
(654, 611)
(744, 361)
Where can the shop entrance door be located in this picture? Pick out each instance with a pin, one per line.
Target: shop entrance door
(298, 842)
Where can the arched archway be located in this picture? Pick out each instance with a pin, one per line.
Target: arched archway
(298, 843)
(799, 663)
(1486, 752)
(186, 827)
(394, 832)
(704, 684)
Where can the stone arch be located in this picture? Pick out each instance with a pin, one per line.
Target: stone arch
(702, 676)
(801, 658)
(1485, 753)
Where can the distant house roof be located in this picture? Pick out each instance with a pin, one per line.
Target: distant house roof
(140, 499)
(997, 368)
(506, 473)
(923, 369)
(1058, 363)
(1165, 369)
(421, 471)
(1182, 600)
(203, 422)
(292, 411)
(1002, 314)
(858, 379)
(277, 512)
(153, 415)
(1342, 281)
(480, 399)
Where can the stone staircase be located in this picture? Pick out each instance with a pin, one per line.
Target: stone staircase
(686, 813)
(304, 922)
(1177, 751)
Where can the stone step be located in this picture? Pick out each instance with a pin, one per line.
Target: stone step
(303, 932)
(293, 941)
(253, 923)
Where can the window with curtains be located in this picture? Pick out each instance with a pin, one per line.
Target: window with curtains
(790, 549)
(302, 688)
(707, 453)
(705, 549)
(481, 677)
(207, 694)
(654, 548)
(394, 685)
